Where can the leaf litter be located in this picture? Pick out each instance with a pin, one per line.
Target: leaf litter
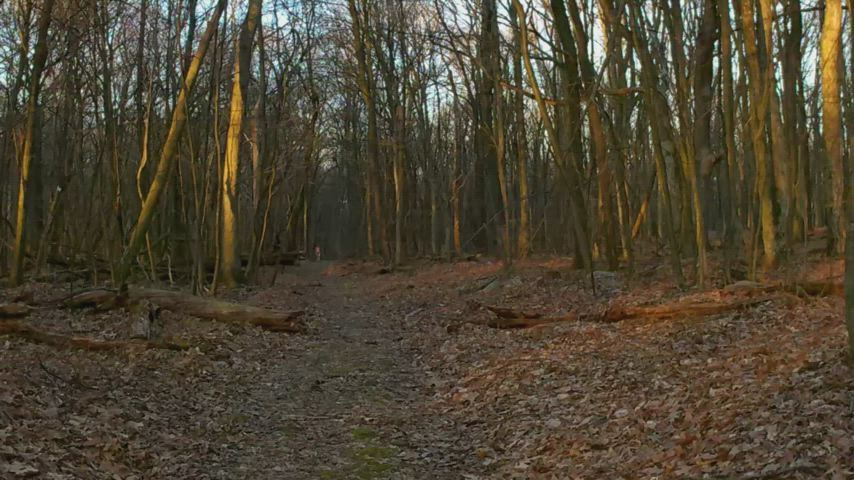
(382, 387)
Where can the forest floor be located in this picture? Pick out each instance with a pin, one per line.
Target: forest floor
(399, 377)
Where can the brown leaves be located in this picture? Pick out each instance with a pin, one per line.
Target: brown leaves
(752, 391)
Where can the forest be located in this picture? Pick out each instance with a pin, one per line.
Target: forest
(182, 176)
(206, 135)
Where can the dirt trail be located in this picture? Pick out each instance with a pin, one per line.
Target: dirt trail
(350, 401)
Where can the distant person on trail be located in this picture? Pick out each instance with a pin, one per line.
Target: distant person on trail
(317, 253)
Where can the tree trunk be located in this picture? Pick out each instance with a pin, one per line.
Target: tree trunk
(703, 93)
(365, 80)
(29, 140)
(759, 104)
(456, 174)
(663, 144)
(523, 243)
(607, 214)
(564, 160)
(229, 269)
(849, 240)
(170, 147)
(831, 116)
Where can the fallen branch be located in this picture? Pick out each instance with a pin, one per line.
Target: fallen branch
(680, 309)
(14, 310)
(200, 307)
(63, 341)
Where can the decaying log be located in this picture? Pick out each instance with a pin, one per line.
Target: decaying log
(507, 318)
(816, 289)
(14, 310)
(810, 289)
(680, 309)
(505, 323)
(63, 341)
(282, 258)
(503, 312)
(100, 299)
(200, 307)
(213, 309)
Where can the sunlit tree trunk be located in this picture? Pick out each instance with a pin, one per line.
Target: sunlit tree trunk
(29, 139)
(759, 101)
(229, 269)
(170, 147)
(831, 115)
(849, 247)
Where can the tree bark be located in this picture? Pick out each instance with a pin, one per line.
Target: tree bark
(229, 269)
(523, 243)
(200, 307)
(605, 202)
(703, 155)
(758, 75)
(831, 116)
(564, 160)
(29, 141)
(664, 147)
(170, 148)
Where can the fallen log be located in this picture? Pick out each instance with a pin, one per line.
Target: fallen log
(200, 307)
(63, 341)
(680, 309)
(282, 258)
(810, 289)
(503, 312)
(816, 289)
(508, 318)
(99, 299)
(504, 323)
(213, 309)
(14, 310)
